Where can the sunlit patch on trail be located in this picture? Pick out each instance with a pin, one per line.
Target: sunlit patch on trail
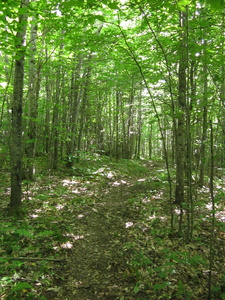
(119, 182)
(67, 245)
(67, 182)
(60, 206)
(129, 224)
(105, 171)
(146, 200)
(158, 196)
(78, 284)
(80, 216)
(152, 217)
(142, 179)
(110, 174)
(34, 216)
(75, 237)
(79, 190)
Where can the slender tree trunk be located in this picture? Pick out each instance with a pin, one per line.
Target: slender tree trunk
(189, 174)
(74, 109)
(87, 76)
(150, 141)
(222, 98)
(17, 106)
(139, 127)
(124, 138)
(117, 152)
(130, 126)
(110, 141)
(189, 152)
(180, 134)
(213, 216)
(55, 124)
(190, 190)
(222, 91)
(55, 121)
(47, 114)
(33, 92)
(205, 122)
(100, 123)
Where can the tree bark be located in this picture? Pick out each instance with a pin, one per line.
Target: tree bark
(55, 118)
(74, 106)
(181, 107)
(87, 76)
(222, 91)
(139, 126)
(205, 122)
(33, 92)
(17, 105)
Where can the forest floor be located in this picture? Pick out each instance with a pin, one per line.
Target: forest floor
(102, 231)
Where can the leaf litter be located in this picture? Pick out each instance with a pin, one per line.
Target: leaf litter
(105, 235)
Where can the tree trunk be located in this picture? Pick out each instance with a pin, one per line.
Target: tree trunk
(48, 91)
(139, 126)
(180, 134)
(118, 100)
(222, 92)
(33, 92)
(74, 104)
(205, 123)
(16, 134)
(55, 121)
(87, 76)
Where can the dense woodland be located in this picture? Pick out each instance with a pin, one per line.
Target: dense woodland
(126, 100)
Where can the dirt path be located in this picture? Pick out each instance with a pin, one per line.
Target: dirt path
(105, 234)
(97, 266)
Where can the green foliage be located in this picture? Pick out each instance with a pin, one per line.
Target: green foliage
(183, 3)
(20, 286)
(72, 3)
(113, 5)
(107, 80)
(215, 4)
(64, 204)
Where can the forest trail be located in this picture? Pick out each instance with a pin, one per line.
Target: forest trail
(102, 231)
(97, 267)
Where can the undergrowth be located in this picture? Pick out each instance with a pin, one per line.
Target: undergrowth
(159, 265)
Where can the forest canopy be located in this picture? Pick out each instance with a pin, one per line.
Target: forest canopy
(104, 92)
(122, 78)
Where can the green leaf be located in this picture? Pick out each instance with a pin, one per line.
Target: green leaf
(215, 4)
(100, 18)
(46, 233)
(183, 3)
(80, 3)
(91, 19)
(158, 286)
(113, 5)
(69, 4)
(136, 289)
(24, 232)
(171, 7)
(21, 286)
